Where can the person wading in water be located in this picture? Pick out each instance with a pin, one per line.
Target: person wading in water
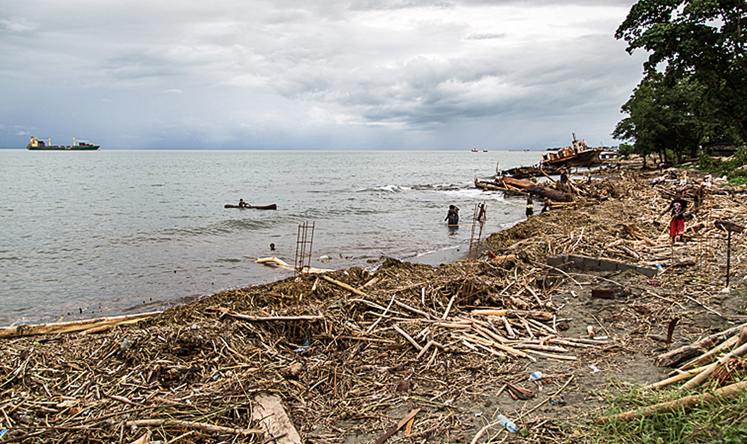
(452, 217)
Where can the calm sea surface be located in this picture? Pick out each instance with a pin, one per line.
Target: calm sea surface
(122, 232)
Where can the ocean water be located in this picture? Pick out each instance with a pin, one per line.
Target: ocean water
(88, 234)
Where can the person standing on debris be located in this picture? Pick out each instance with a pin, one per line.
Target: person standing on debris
(452, 217)
(563, 183)
(530, 205)
(546, 206)
(481, 213)
(677, 224)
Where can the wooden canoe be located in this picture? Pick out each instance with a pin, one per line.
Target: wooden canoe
(253, 207)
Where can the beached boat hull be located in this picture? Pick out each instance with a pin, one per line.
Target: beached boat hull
(253, 207)
(584, 158)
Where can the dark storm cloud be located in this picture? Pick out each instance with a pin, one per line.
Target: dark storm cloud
(417, 73)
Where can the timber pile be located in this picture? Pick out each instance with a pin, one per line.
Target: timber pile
(360, 356)
(721, 365)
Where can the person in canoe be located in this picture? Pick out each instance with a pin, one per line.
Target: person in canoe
(452, 217)
(243, 204)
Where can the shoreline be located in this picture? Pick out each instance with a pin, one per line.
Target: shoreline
(361, 367)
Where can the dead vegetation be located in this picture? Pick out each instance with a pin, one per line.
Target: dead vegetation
(408, 353)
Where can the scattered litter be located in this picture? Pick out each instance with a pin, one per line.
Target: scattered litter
(507, 423)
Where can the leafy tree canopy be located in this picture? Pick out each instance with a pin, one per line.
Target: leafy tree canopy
(702, 39)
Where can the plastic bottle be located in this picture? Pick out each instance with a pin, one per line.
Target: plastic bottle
(507, 424)
(535, 376)
(660, 268)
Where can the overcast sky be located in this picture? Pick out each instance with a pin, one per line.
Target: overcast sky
(290, 74)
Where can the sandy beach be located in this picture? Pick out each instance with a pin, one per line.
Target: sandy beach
(428, 352)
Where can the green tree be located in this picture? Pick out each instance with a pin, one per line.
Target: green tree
(666, 117)
(704, 39)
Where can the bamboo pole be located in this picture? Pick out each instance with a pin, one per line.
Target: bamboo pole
(72, 326)
(685, 403)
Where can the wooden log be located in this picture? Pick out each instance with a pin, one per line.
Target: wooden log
(702, 376)
(72, 326)
(707, 357)
(547, 192)
(685, 403)
(268, 411)
(675, 357)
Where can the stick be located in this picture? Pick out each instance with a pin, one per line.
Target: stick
(408, 337)
(540, 315)
(399, 425)
(675, 378)
(414, 310)
(251, 318)
(192, 425)
(344, 285)
(448, 307)
(513, 351)
(370, 329)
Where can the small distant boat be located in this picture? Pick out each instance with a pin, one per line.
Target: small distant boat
(578, 154)
(474, 150)
(78, 145)
(485, 151)
(253, 207)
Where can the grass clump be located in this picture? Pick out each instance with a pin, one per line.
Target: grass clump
(721, 421)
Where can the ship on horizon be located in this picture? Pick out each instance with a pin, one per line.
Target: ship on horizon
(78, 145)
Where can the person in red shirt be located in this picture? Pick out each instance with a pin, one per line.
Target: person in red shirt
(677, 224)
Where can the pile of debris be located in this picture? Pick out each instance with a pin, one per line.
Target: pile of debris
(405, 353)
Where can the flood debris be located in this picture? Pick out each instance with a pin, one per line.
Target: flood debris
(404, 352)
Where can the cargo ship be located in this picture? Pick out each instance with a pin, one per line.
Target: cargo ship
(78, 145)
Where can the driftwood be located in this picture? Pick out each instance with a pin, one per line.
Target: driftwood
(279, 263)
(73, 326)
(540, 315)
(675, 357)
(344, 285)
(268, 411)
(548, 193)
(685, 403)
(192, 425)
(675, 378)
(398, 426)
(702, 376)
